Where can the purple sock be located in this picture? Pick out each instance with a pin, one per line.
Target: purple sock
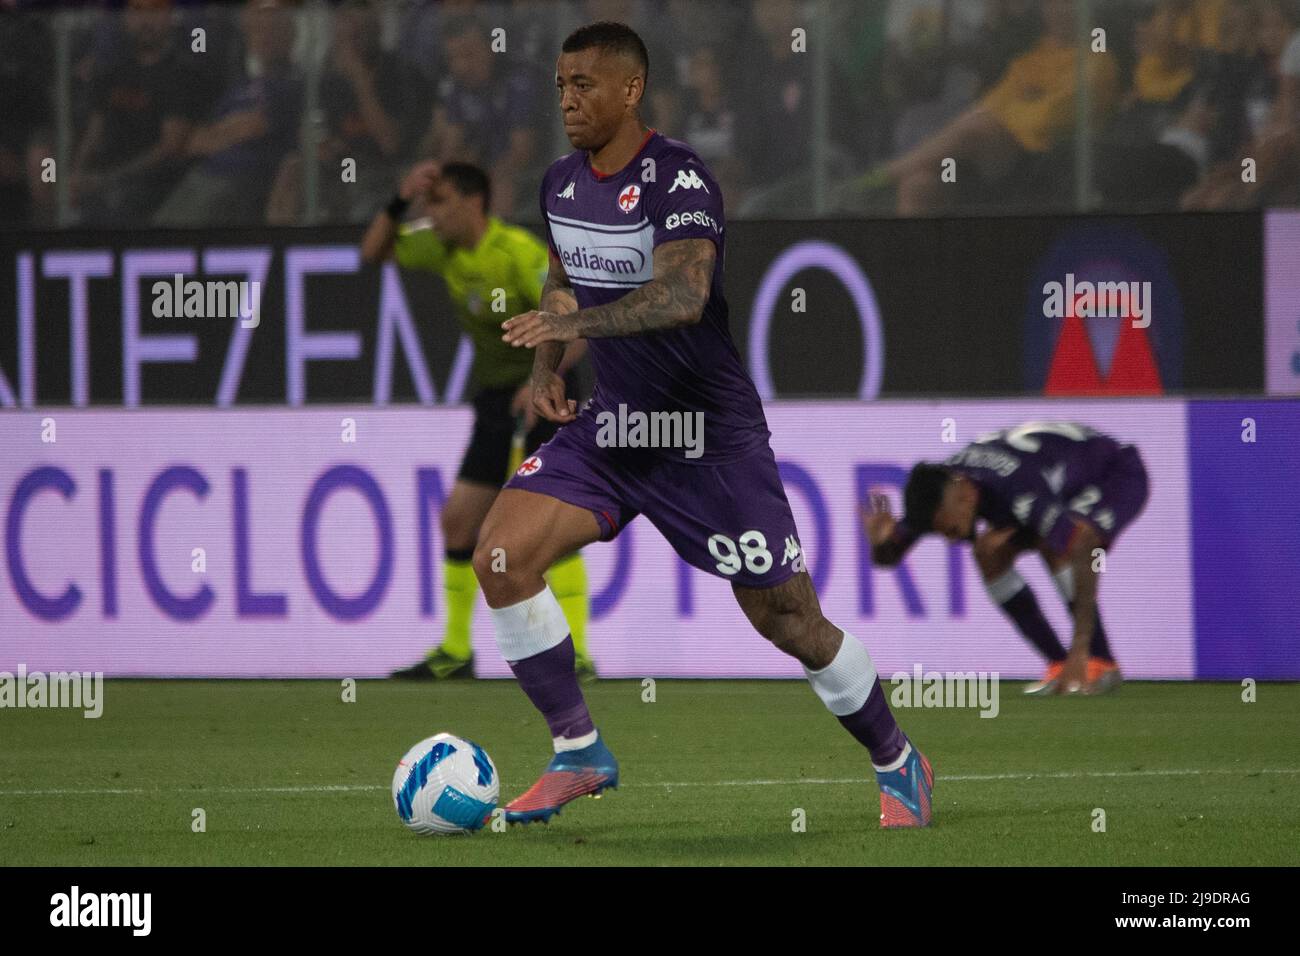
(551, 684)
(875, 728)
(1022, 607)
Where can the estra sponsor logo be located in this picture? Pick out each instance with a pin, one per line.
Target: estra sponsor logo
(699, 217)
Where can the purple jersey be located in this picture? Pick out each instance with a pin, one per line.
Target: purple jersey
(604, 229)
(1037, 476)
(1041, 476)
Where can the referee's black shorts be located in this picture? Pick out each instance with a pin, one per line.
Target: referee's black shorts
(488, 456)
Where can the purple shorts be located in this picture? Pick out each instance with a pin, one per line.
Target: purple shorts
(730, 519)
(1117, 497)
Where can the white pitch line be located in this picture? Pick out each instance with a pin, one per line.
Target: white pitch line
(668, 785)
(967, 778)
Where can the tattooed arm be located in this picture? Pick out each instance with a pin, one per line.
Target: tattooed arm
(675, 297)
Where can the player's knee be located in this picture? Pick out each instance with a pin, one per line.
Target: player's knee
(506, 570)
(784, 631)
(788, 625)
(492, 568)
(799, 635)
(788, 614)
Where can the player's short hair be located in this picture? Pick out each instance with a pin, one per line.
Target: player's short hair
(468, 180)
(613, 38)
(922, 495)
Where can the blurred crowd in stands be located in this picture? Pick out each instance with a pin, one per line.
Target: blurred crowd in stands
(171, 113)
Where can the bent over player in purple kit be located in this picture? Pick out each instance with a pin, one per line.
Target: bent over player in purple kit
(1058, 488)
(635, 227)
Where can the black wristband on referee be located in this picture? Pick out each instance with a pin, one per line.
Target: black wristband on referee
(397, 207)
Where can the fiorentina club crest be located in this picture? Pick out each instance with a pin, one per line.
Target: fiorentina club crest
(629, 197)
(530, 466)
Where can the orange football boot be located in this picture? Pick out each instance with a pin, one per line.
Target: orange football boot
(1048, 684)
(1103, 676)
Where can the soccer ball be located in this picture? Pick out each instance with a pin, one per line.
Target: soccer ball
(445, 784)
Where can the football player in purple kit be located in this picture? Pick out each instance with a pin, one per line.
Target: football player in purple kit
(1058, 488)
(635, 226)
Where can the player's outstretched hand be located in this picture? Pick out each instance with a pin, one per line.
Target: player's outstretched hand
(877, 520)
(533, 328)
(549, 400)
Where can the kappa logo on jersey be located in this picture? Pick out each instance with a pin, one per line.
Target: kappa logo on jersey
(793, 553)
(687, 179)
(629, 197)
(565, 193)
(530, 466)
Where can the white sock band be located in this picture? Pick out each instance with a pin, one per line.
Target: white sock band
(562, 744)
(1003, 589)
(844, 684)
(901, 759)
(530, 627)
(1064, 579)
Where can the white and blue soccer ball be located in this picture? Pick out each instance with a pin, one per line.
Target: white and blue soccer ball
(445, 784)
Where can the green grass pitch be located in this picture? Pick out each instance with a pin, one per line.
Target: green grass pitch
(713, 773)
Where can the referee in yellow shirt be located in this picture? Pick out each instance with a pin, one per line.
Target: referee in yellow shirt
(484, 262)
